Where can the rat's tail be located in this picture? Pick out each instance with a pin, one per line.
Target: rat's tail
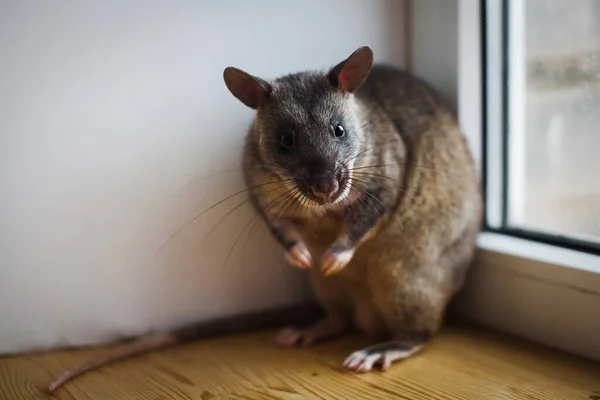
(139, 346)
(300, 314)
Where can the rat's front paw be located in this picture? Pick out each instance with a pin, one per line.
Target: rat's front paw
(299, 256)
(335, 259)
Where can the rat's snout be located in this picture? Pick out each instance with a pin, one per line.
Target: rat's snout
(325, 187)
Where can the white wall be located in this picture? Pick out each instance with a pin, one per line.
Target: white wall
(435, 45)
(110, 114)
(444, 47)
(469, 64)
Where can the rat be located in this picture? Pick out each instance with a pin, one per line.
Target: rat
(364, 178)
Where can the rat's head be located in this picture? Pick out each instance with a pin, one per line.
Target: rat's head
(307, 128)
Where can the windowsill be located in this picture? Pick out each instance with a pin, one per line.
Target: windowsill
(540, 252)
(545, 293)
(541, 292)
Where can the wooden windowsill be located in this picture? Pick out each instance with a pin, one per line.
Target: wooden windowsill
(463, 362)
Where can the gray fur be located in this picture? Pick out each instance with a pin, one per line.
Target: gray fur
(389, 255)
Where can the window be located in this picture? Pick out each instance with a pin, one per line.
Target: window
(529, 90)
(542, 113)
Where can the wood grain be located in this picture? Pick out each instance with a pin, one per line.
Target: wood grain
(462, 363)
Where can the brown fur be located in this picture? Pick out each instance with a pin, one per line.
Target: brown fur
(413, 258)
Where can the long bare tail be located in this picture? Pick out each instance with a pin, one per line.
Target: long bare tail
(300, 314)
(139, 346)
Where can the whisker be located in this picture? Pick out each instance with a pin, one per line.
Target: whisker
(294, 200)
(366, 192)
(368, 174)
(233, 210)
(375, 166)
(406, 164)
(255, 217)
(372, 184)
(348, 202)
(261, 249)
(214, 227)
(256, 222)
(215, 205)
(295, 204)
(265, 166)
(366, 201)
(238, 238)
(289, 194)
(286, 202)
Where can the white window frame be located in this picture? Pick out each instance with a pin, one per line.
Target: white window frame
(542, 292)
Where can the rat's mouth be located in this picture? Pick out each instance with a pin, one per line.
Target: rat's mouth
(330, 190)
(344, 186)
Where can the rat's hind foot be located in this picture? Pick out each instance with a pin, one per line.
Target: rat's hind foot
(383, 354)
(289, 337)
(331, 325)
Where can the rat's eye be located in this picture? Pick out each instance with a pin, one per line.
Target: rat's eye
(339, 131)
(286, 140)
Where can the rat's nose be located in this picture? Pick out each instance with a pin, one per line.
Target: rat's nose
(325, 187)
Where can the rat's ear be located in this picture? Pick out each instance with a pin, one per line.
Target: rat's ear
(351, 73)
(248, 89)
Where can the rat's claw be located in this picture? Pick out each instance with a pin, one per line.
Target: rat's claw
(354, 360)
(362, 361)
(383, 354)
(299, 256)
(334, 261)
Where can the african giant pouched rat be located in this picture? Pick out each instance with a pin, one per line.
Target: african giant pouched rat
(363, 176)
